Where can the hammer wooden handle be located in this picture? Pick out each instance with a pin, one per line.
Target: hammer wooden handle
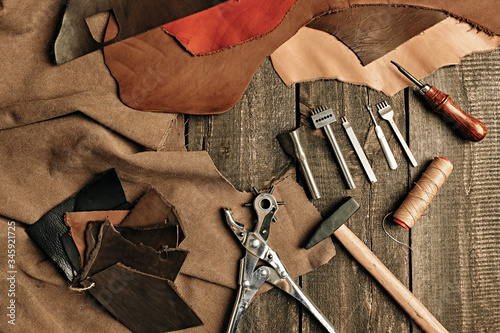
(415, 309)
(470, 127)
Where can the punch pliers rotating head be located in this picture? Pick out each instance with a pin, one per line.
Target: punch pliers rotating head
(251, 277)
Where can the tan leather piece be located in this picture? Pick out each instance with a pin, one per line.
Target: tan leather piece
(33, 89)
(312, 54)
(37, 160)
(372, 31)
(157, 75)
(77, 222)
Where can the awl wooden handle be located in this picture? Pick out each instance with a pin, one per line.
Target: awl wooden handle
(415, 309)
(471, 128)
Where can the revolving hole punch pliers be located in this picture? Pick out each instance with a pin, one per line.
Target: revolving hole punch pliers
(251, 277)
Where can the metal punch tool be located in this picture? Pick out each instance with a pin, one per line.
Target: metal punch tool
(322, 117)
(273, 271)
(383, 142)
(359, 151)
(385, 111)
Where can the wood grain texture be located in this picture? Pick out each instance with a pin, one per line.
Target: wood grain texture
(346, 292)
(242, 143)
(454, 268)
(455, 263)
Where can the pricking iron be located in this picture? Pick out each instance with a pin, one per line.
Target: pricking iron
(294, 144)
(251, 276)
(385, 111)
(322, 117)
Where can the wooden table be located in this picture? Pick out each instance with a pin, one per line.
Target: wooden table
(454, 268)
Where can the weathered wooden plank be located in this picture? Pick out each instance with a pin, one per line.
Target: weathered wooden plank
(242, 143)
(456, 261)
(346, 293)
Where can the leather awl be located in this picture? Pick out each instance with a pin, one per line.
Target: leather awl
(294, 144)
(337, 219)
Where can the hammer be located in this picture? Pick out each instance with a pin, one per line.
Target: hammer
(335, 224)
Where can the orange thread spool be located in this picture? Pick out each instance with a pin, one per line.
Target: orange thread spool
(424, 191)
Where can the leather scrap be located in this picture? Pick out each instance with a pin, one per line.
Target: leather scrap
(228, 24)
(151, 210)
(112, 248)
(157, 75)
(134, 17)
(77, 223)
(312, 54)
(152, 222)
(34, 90)
(105, 192)
(184, 179)
(373, 31)
(143, 303)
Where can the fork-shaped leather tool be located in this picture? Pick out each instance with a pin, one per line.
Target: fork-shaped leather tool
(385, 111)
(252, 278)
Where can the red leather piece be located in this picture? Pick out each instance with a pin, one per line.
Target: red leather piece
(228, 24)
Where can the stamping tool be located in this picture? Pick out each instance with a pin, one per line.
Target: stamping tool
(294, 144)
(359, 151)
(383, 142)
(322, 117)
(385, 111)
(471, 128)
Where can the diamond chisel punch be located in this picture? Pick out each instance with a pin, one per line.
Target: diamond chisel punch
(383, 142)
(322, 117)
(385, 111)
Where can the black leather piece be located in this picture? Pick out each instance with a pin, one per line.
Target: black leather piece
(104, 193)
(46, 232)
(143, 303)
(71, 250)
(133, 17)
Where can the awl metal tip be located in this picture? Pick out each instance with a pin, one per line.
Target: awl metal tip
(408, 75)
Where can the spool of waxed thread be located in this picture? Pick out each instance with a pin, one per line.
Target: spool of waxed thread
(424, 191)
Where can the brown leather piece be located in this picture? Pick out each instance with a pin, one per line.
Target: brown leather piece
(143, 303)
(111, 248)
(157, 76)
(312, 54)
(77, 222)
(373, 31)
(157, 237)
(134, 17)
(33, 89)
(151, 210)
(30, 171)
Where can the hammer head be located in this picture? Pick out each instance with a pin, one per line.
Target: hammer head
(322, 116)
(348, 207)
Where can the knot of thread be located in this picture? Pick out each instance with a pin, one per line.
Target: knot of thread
(424, 191)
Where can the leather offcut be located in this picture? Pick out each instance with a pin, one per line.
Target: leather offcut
(373, 31)
(313, 54)
(143, 303)
(77, 223)
(228, 24)
(103, 193)
(146, 76)
(111, 248)
(134, 17)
